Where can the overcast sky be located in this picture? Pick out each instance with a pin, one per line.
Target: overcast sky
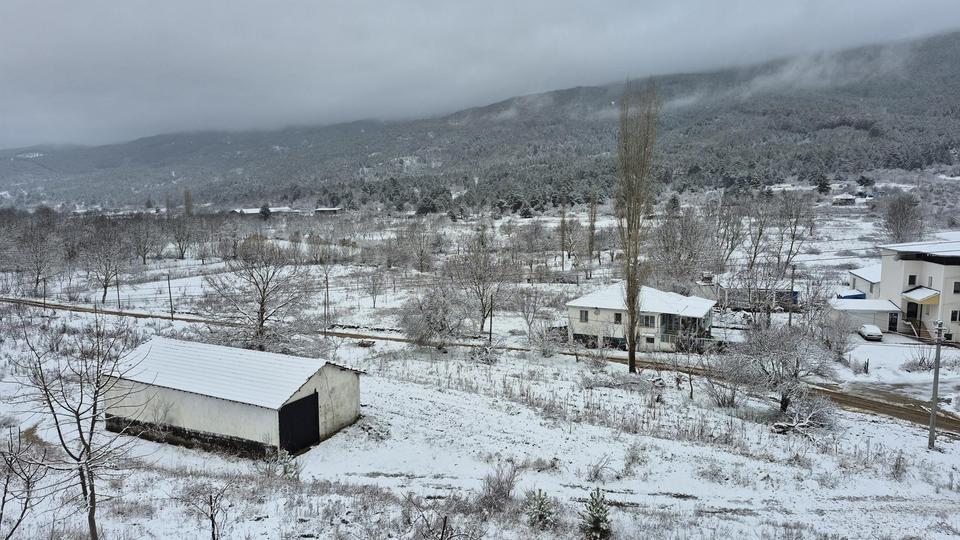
(96, 71)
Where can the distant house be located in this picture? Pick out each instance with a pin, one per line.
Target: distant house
(274, 210)
(244, 401)
(327, 211)
(844, 199)
(600, 317)
(735, 292)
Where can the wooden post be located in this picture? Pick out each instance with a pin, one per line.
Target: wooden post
(44, 294)
(118, 291)
(170, 295)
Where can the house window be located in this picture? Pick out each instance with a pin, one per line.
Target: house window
(912, 279)
(955, 315)
(648, 321)
(584, 315)
(929, 281)
(853, 283)
(618, 318)
(956, 287)
(871, 288)
(650, 340)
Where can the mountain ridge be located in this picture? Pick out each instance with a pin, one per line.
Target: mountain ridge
(843, 112)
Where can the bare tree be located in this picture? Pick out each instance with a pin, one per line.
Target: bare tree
(902, 218)
(37, 248)
(22, 470)
(183, 233)
(146, 237)
(434, 317)
(530, 302)
(725, 216)
(70, 377)
(679, 248)
(260, 291)
(106, 255)
(375, 282)
(782, 360)
(635, 153)
(591, 233)
(481, 273)
(208, 502)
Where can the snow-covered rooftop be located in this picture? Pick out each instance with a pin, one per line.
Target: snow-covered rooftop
(947, 248)
(651, 301)
(920, 294)
(848, 304)
(870, 273)
(254, 377)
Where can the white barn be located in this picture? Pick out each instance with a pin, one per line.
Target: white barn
(245, 401)
(600, 317)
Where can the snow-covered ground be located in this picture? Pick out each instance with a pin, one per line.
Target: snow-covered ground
(434, 425)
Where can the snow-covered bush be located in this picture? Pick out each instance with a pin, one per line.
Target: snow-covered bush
(278, 464)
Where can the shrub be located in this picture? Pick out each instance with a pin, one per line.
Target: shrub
(497, 489)
(898, 471)
(594, 520)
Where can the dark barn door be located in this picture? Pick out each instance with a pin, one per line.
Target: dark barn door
(300, 424)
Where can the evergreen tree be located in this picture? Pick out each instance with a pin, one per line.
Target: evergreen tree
(594, 521)
(541, 513)
(265, 211)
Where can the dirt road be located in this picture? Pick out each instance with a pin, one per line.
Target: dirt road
(903, 408)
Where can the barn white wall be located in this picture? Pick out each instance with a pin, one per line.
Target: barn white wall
(147, 403)
(338, 395)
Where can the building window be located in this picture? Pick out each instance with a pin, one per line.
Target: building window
(853, 283)
(618, 318)
(955, 315)
(956, 287)
(912, 279)
(929, 281)
(648, 321)
(584, 315)
(871, 288)
(650, 340)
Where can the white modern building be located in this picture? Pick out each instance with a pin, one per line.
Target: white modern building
(921, 279)
(600, 317)
(245, 401)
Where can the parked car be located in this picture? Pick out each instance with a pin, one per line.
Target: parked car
(870, 332)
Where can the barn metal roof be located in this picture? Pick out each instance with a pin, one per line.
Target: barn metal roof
(254, 377)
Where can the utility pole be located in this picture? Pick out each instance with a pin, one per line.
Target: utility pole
(170, 295)
(793, 270)
(931, 443)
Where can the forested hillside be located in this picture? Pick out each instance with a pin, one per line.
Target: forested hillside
(893, 106)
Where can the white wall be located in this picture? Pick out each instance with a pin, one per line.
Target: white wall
(147, 403)
(600, 323)
(338, 396)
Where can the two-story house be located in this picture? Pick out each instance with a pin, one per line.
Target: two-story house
(600, 317)
(923, 279)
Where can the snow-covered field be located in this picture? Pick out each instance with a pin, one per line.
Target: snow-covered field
(434, 425)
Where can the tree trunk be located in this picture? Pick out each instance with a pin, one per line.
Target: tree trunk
(784, 402)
